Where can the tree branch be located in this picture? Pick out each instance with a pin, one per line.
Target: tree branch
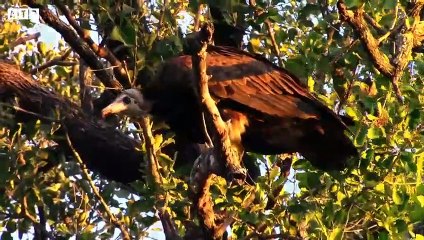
(226, 155)
(156, 180)
(358, 23)
(259, 12)
(77, 44)
(24, 39)
(220, 136)
(103, 148)
(404, 42)
(118, 70)
(55, 61)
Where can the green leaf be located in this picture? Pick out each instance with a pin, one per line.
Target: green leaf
(124, 34)
(420, 200)
(397, 197)
(292, 33)
(414, 119)
(389, 4)
(401, 226)
(6, 236)
(383, 235)
(42, 48)
(353, 3)
(308, 10)
(308, 180)
(420, 189)
(407, 157)
(361, 135)
(374, 133)
(336, 234)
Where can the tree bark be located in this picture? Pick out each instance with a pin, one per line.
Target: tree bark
(102, 148)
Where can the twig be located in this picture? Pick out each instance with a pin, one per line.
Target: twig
(24, 39)
(37, 225)
(39, 116)
(84, 82)
(271, 32)
(153, 164)
(162, 14)
(374, 24)
(85, 173)
(209, 143)
(197, 18)
(347, 220)
(55, 61)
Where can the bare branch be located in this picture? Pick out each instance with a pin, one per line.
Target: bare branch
(197, 18)
(55, 61)
(24, 39)
(220, 136)
(84, 82)
(259, 12)
(374, 24)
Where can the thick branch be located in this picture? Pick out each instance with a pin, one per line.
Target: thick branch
(215, 224)
(357, 21)
(103, 148)
(219, 131)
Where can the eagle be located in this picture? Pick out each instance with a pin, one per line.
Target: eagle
(268, 110)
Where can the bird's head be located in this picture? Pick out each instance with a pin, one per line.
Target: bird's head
(129, 103)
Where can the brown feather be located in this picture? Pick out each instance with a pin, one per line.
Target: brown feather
(270, 111)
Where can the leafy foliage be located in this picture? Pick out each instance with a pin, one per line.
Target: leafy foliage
(380, 198)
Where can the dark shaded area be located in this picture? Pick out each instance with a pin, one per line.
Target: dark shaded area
(225, 34)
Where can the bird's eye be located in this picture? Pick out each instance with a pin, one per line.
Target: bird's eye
(126, 100)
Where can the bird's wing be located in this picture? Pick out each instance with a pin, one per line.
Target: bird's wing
(254, 82)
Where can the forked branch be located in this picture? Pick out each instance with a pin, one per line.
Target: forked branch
(224, 153)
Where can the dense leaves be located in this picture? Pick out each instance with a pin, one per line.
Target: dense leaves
(45, 193)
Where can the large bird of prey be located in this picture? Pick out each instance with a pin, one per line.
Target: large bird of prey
(268, 110)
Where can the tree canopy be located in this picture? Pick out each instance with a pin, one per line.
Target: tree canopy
(65, 172)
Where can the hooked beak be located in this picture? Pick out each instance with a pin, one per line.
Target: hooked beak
(113, 108)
